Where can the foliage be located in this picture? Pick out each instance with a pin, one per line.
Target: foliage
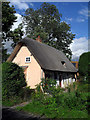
(46, 22)
(12, 101)
(72, 104)
(25, 93)
(49, 85)
(8, 16)
(84, 63)
(23, 96)
(4, 54)
(12, 80)
(16, 35)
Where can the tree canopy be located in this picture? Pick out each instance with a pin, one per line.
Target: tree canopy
(46, 22)
(8, 18)
(84, 64)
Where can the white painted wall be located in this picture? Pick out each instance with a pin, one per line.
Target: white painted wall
(66, 80)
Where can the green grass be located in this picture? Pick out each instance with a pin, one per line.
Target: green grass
(13, 101)
(53, 112)
(8, 103)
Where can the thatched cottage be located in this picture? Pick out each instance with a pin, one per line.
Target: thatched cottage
(41, 61)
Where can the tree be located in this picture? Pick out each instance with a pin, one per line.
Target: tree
(84, 64)
(16, 35)
(8, 18)
(4, 54)
(45, 22)
(12, 79)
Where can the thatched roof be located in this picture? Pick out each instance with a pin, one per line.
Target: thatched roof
(48, 57)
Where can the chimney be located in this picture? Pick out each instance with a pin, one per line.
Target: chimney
(38, 39)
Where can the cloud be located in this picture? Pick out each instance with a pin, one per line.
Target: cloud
(8, 46)
(83, 15)
(79, 46)
(18, 21)
(68, 20)
(32, 4)
(84, 12)
(15, 25)
(19, 4)
(80, 20)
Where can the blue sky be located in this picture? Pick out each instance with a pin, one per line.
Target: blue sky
(73, 13)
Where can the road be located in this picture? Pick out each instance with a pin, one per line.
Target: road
(12, 114)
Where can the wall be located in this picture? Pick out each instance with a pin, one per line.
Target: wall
(33, 71)
(66, 78)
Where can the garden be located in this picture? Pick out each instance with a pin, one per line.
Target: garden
(71, 102)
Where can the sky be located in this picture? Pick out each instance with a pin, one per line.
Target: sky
(73, 13)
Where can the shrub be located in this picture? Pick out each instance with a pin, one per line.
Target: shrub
(25, 93)
(84, 62)
(49, 85)
(12, 79)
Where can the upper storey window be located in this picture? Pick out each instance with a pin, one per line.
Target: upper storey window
(63, 63)
(27, 59)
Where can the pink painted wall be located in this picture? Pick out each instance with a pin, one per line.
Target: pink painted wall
(34, 72)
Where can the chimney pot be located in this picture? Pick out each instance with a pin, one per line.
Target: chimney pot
(38, 39)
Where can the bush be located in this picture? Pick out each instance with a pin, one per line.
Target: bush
(49, 85)
(84, 62)
(25, 93)
(12, 80)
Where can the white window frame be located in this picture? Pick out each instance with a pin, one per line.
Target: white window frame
(27, 61)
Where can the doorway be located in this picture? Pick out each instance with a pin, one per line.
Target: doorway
(60, 79)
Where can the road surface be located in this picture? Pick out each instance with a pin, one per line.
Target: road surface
(12, 114)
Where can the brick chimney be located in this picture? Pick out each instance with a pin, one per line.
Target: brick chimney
(38, 39)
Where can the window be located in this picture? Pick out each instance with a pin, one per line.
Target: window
(27, 60)
(63, 63)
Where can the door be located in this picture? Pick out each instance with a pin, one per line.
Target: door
(60, 79)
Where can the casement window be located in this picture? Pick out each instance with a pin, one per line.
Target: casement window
(27, 60)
